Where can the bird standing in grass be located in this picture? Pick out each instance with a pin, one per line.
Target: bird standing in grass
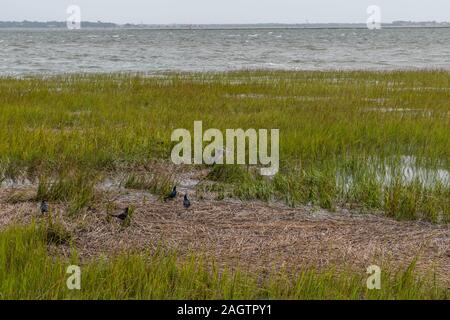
(172, 194)
(186, 202)
(44, 207)
(123, 215)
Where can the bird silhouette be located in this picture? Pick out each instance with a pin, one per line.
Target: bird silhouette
(186, 202)
(44, 206)
(123, 215)
(172, 194)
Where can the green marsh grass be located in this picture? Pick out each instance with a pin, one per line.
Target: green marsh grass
(339, 131)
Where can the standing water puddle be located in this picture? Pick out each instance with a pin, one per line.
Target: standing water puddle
(406, 169)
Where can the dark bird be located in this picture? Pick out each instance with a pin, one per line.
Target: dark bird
(186, 202)
(44, 206)
(123, 215)
(173, 194)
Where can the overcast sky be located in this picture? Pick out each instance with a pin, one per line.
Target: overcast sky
(225, 11)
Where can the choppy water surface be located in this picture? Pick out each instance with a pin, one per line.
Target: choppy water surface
(59, 51)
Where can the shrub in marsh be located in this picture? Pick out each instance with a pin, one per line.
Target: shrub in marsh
(135, 181)
(397, 202)
(286, 189)
(158, 183)
(10, 169)
(2, 173)
(77, 189)
(229, 174)
(417, 201)
(307, 186)
(435, 204)
(368, 193)
(20, 196)
(359, 183)
(257, 189)
(55, 233)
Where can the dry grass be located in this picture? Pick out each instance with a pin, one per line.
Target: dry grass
(256, 235)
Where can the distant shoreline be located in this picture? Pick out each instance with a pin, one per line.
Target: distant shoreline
(217, 29)
(58, 25)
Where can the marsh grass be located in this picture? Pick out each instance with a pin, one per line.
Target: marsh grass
(19, 196)
(54, 232)
(159, 183)
(28, 271)
(75, 189)
(229, 174)
(339, 132)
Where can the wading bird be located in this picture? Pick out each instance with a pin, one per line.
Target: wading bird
(44, 206)
(123, 215)
(186, 202)
(173, 194)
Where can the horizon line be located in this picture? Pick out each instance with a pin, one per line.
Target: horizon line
(223, 24)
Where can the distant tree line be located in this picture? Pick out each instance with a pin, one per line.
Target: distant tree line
(53, 24)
